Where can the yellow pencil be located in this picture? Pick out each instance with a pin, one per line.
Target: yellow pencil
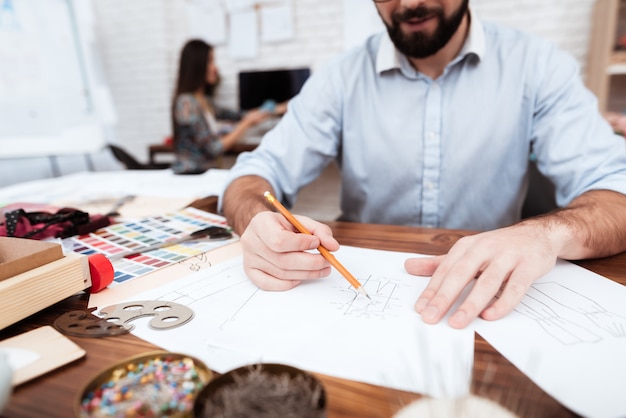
(325, 253)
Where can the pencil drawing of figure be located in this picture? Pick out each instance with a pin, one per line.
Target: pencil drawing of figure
(562, 329)
(610, 322)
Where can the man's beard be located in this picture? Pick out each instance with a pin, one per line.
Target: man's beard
(420, 44)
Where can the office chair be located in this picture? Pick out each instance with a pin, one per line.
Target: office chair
(131, 163)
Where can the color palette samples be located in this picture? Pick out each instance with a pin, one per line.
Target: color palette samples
(133, 235)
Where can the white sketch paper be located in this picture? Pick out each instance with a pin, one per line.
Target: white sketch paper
(568, 335)
(323, 326)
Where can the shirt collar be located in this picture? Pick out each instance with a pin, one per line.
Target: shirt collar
(389, 58)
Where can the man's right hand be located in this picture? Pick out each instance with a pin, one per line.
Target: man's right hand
(277, 257)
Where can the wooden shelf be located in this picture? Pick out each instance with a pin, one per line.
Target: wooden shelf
(603, 61)
(616, 69)
(618, 57)
(617, 63)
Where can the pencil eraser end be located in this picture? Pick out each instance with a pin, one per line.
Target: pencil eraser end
(101, 272)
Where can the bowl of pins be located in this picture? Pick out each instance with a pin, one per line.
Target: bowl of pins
(262, 390)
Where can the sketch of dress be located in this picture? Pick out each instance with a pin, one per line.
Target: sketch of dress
(383, 302)
(541, 297)
(565, 331)
(610, 322)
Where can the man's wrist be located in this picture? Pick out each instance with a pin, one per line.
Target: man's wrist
(554, 228)
(243, 199)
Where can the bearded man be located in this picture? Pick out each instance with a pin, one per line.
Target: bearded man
(432, 124)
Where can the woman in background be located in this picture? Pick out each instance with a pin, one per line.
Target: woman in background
(197, 140)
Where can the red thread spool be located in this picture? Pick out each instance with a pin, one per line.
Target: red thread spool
(101, 272)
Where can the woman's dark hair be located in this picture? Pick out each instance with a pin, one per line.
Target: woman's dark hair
(192, 69)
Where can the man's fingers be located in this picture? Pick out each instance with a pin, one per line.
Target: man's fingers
(432, 266)
(514, 290)
(277, 257)
(321, 231)
(266, 282)
(481, 295)
(294, 265)
(493, 258)
(280, 240)
(463, 263)
(424, 266)
(445, 287)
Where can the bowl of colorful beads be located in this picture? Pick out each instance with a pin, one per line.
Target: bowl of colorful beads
(154, 384)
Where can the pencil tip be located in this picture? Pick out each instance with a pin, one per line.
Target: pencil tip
(364, 293)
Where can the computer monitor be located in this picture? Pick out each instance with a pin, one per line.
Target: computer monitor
(255, 87)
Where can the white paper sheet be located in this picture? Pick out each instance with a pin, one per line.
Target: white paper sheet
(277, 22)
(322, 326)
(207, 21)
(569, 336)
(90, 185)
(235, 6)
(243, 35)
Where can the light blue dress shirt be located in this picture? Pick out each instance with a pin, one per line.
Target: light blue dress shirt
(451, 152)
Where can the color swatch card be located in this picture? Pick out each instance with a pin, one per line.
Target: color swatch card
(133, 235)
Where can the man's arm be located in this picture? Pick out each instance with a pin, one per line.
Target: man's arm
(511, 259)
(243, 199)
(593, 225)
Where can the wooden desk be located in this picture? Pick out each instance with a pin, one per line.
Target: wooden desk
(158, 149)
(494, 377)
(164, 149)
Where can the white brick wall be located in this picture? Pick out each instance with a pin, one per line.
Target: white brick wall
(567, 23)
(141, 40)
(134, 36)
